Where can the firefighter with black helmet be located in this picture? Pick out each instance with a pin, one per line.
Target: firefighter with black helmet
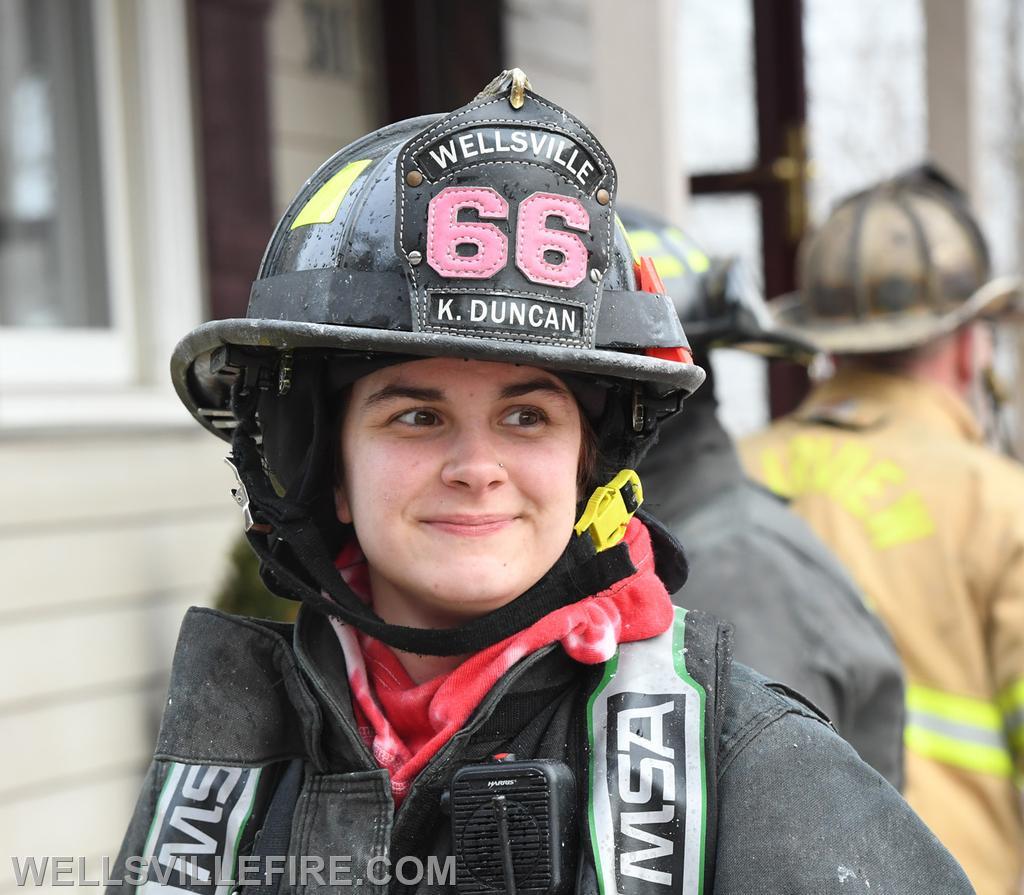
(887, 461)
(797, 615)
(448, 369)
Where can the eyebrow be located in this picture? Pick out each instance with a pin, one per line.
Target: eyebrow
(391, 392)
(538, 384)
(432, 395)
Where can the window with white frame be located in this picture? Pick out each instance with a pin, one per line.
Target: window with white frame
(52, 265)
(99, 227)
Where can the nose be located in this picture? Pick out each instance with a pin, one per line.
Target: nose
(474, 463)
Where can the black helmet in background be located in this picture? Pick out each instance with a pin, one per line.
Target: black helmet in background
(716, 298)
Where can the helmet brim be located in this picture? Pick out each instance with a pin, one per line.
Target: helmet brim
(997, 298)
(207, 399)
(770, 342)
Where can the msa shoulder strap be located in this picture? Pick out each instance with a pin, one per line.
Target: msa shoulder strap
(653, 735)
(207, 817)
(200, 827)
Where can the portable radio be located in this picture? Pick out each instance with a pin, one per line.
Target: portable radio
(513, 827)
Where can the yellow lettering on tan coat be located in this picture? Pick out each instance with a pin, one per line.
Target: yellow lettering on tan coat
(853, 478)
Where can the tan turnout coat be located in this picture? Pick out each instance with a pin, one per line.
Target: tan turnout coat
(893, 475)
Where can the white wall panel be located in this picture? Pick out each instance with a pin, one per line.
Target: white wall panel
(76, 656)
(84, 570)
(82, 820)
(64, 483)
(55, 747)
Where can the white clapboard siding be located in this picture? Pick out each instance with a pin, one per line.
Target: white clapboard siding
(553, 44)
(57, 746)
(302, 135)
(290, 27)
(73, 483)
(104, 542)
(91, 869)
(86, 569)
(69, 658)
(301, 99)
(87, 819)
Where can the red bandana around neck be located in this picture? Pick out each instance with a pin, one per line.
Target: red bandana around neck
(404, 724)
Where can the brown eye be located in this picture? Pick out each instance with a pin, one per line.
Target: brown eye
(526, 417)
(418, 418)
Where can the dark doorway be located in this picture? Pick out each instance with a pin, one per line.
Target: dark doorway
(438, 54)
(234, 145)
(776, 176)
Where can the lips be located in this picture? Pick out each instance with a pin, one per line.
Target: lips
(471, 526)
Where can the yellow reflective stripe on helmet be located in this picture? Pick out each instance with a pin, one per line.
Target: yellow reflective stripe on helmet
(957, 730)
(324, 204)
(629, 238)
(646, 242)
(696, 260)
(669, 266)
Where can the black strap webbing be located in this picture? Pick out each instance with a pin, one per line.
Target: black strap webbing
(524, 741)
(275, 835)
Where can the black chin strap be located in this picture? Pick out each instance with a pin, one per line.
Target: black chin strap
(303, 567)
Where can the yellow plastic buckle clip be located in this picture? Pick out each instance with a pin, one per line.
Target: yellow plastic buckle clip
(610, 508)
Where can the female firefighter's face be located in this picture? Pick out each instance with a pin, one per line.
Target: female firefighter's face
(459, 477)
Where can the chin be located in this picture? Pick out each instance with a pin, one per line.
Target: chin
(474, 588)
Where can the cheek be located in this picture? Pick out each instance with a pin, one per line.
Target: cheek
(380, 477)
(548, 478)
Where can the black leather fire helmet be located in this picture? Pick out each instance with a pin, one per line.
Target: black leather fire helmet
(486, 233)
(716, 298)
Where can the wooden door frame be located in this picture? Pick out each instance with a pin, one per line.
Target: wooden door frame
(778, 177)
(438, 54)
(232, 95)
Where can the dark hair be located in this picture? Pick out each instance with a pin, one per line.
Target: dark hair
(589, 462)
(340, 400)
